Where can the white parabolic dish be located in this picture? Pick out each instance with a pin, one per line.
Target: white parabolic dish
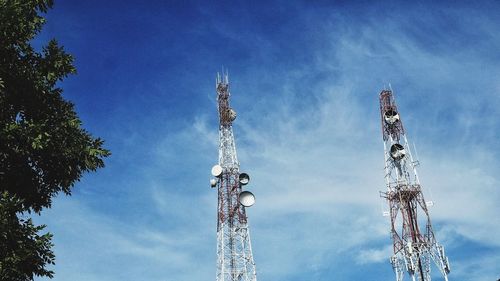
(232, 114)
(397, 151)
(246, 198)
(391, 117)
(244, 178)
(216, 170)
(213, 182)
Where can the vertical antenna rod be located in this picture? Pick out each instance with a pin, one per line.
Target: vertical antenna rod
(234, 251)
(414, 247)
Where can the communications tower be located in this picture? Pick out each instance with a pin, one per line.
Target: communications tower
(234, 251)
(415, 245)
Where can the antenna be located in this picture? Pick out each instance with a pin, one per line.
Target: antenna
(246, 198)
(413, 249)
(234, 252)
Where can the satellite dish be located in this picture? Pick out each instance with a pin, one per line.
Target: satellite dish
(391, 116)
(246, 198)
(244, 178)
(213, 183)
(216, 170)
(397, 151)
(232, 114)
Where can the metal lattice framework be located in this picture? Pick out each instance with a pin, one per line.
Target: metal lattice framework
(414, 247)
(234, 251)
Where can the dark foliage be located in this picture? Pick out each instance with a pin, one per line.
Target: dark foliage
(43, 148)
(23, 252)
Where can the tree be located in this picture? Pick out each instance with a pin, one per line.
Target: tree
(43, 148)
(23, 252)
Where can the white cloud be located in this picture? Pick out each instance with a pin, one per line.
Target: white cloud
(375, 255)
(313, 149)
(98, 247)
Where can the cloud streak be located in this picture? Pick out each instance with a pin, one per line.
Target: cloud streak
(305, 85)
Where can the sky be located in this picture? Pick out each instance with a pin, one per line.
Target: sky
(305, 78)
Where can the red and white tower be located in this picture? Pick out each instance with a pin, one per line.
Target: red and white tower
(234, 251)
(413, 238)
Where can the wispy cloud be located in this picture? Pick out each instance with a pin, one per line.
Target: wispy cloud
(375, 255)
(307, 132)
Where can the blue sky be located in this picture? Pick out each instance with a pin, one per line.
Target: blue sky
(305, 78)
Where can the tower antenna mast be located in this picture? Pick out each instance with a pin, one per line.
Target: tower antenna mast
(414, 247)
(234, 250)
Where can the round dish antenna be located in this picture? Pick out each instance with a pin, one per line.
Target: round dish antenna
(391, 116)
(213, 183)
(244, 178)
(232, 114)
(216, 170)
(397, 151)
(246, 198)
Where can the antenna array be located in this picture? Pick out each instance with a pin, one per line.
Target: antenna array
(234, 251)
(414, 247)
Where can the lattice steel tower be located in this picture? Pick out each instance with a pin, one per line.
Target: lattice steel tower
(414, 247)
(234, 251)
